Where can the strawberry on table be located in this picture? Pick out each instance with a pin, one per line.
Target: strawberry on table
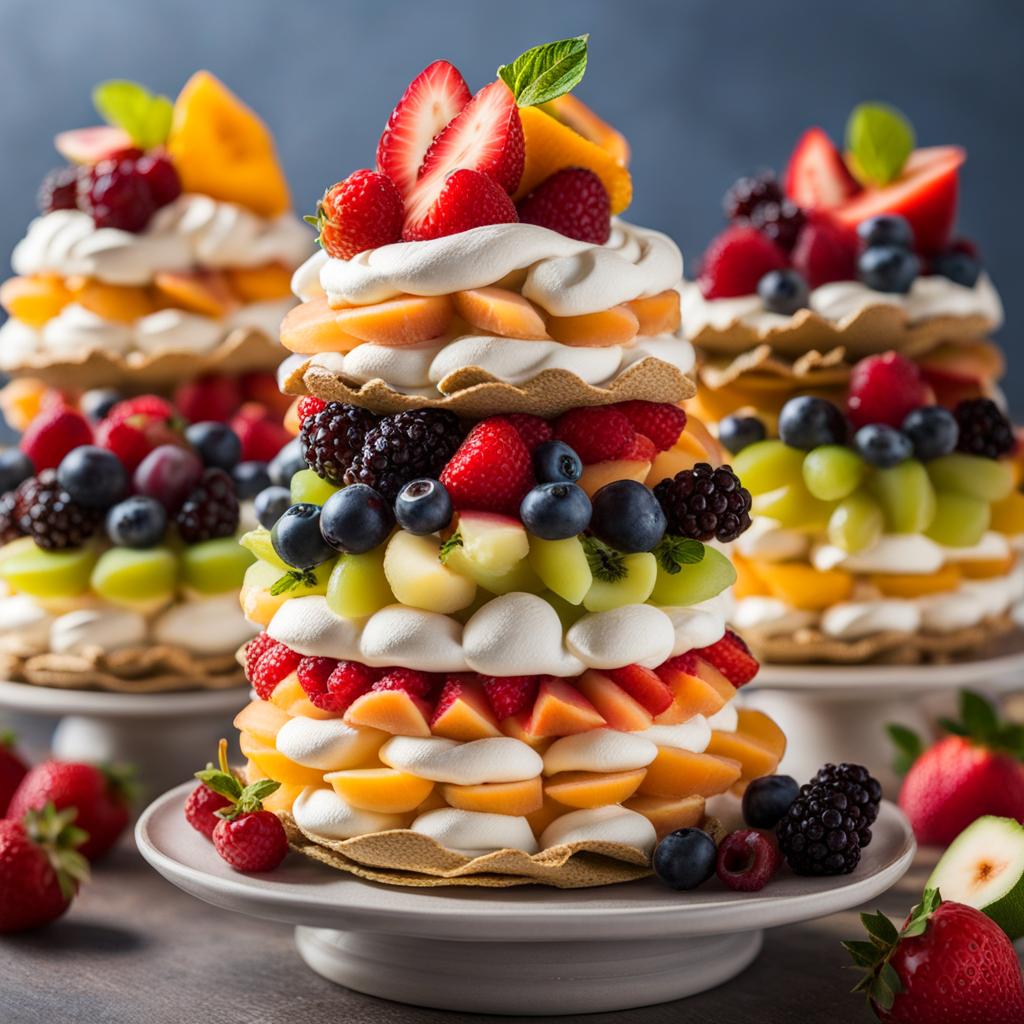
(12, 770)
(362, 212)
(491, 471)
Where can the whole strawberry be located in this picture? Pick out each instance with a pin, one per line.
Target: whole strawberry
(362, 212)
(491, 471)
(977, 770)
(101, 795)
(948, 964)
(203, 803)
(40, 868)
(573, 202)
(52, 434)
(12, 771)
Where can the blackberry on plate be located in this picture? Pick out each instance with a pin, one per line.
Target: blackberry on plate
(748, 193)
(332, 438)
(984, 430)
(46, 513)
(211, 510)
(9, 529)
(829, 822)
(705, 503)
(403, 447)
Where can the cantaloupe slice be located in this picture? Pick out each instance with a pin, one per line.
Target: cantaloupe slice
(615, 326)
(547, 813)
(199, 291)
(397, 323)
(312, 327)
(593, 789)
(700, 691)
(34, 300)
(290, 697)
(261, 284)
(393, 711)
(465, 715)
(571, 110)
(911, 585)
(657, 314)
(281, 799)
(261, 720)
(667, 814)
(502, 312)
(748, 583)
(561, 710)
(122, 304)
(803, 586)
(615, 706)
(755, 759)
(986, 569)
(597, 474)
(678, 773)
(385, 790)
(515, 798)
(756, 725)
(276, 766)
(518, 727)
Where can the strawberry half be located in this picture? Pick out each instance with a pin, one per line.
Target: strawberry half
(468, 199)
(816, 177)
(433, 98)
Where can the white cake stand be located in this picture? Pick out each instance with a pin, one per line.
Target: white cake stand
(167, 736)
(839, 712)
(529, 950)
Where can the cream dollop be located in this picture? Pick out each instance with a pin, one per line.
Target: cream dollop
(399, 635)
(853, 620)
(767, 541)
(600, 638)
(694, 734)
(725, 719)
(209, 625)
(912, 553)
(328, 744)
(28, 622)
(769, 616)
(109, 629)
(474, 832)
(323, 813)
(497, 759)
(600, 750)
(610, 824)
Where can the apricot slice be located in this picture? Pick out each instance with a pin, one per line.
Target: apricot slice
(748, 583)
(657, 314)
(593, 789)
(667, 814)
(755, 758)
(803, 586)
(464, 713)
(560, 710)
(759, 727)
(515, 798)
(276, 766)
(261, 720)
(572, 111)
(385, 790)
(597, 474)
(615, 326)
(291, 698)
(281, 799)
(894, 584)
(698, 688)
(502, 312)
(397, 323)
(312, 327)
(986, 569)
(34, 300)
(393, 711)
(122, 304)
(261, 284)
(200, 291)
(545, 814)
(24, 398)
(518, 727)
(678, 773)
(616, 706)
(1008, 514)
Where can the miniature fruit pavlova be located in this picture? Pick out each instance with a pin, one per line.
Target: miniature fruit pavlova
(163, 249)
(120, 565)
(493, 633)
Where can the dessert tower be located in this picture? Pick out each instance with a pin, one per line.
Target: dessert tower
(492, 603)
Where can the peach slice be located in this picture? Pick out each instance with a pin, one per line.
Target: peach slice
(518, 727)
(281, 799)
(616, 706)
(34, 300)
(261, 720)
(756, 725)
(291, 698)
(657, 314)
(385, 790)
(312, 327)
(615, 326)
(986, 569)
(755, 758)
(802, 586)
(464, 713)
(24, 398)
(1008, 514)
(502, 312)
(515, 798)
(434, 802)
(667, 814)
(597, 474)
(261, 284)
(393, 711)
(572, 111)
(698, 688)
(276, 766)
(748, 583)
(200, 291)
(397, 323)
(894, 584)
(679, 773)
(545, 814)
(123, 305)
(593, 789)
(560, 710)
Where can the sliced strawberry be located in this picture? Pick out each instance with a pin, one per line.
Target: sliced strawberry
(925, 194)
(434, 97)
(817, 178)
(732, 657)
(735, 261)
(469, 199)
(825, 251)
(644, 686)
(509, 695)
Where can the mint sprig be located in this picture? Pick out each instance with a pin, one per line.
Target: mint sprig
(674, 552)
(291, 579)
(879, 139)
(143, 116)
(546, 72)
(243, 799)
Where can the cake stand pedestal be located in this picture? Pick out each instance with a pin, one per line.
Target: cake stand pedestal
(167, 736)
(527, 950)
(839, 712)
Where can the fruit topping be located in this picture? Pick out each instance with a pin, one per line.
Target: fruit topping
(767, 799)
(333, 437)
(596, 434)
(705, 503)
(882, 446)
(685, 859)
(169, 474)
(272, 666)
(491, 470)
(116, 195)
(50, 436)
(628, 517)
(933, 431)
(510, 695)
(885, 389)
(556, 511)
(959, 265)
(735, 262)
(555, 462)
(297, 539)
(362, 212)
(888, 268)
(886, 229)
(356, 519)
(532, 429)
(825, 252)
(58, 190)
(732, 657)
(92, 477)
(816, 176)
(423, 506)
(783, 292)
(137, 522)
(46, 513)
(210, 510)
(739, 432)
(759, 202)
(502, 312)
(574, 202)
(983, 429)
(747, 860)
(662, 422)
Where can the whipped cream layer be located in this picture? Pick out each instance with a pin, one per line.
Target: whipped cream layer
(908, 553)
(474, 833)
(496, 759)
(327, 743)
(600, 750)
(323, 813)
(611, 824)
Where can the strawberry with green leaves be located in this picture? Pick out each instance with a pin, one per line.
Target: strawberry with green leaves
(12, 770)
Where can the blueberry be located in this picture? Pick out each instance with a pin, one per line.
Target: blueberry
(556, 511)
(423, 506)
(767, 799)
(270, 504)
(807, 422)
(93, 476)
(933, 431)
(685, 859)
(250, 478)
(97, 403)
(882, 446)
(737, 432)
(888, 268)
(783, 291)
(15, 466)
(297, 539)
(216, 444)
(958, 266)
(886, 229)
(628, 517)
(356, 519)
(286, 463)
(137, 522)
(554, 462)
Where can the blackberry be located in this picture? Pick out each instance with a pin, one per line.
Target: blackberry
(984, 430)
(45, 512)
(333, 437)
(705, 503)
(59, 190)
(211, 510)
(779, 221)
(9, 529)
(829, 822)
(747, 194)
(404, 447)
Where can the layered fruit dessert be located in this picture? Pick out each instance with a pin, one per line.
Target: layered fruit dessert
(492, 612)
(120, 565)
(163, 248)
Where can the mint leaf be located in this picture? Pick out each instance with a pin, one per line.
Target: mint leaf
(546, 72)
(143, 116)
(673, 553)
(878, 141)
(908, 744)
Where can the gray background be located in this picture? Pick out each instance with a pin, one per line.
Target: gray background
(704, 89)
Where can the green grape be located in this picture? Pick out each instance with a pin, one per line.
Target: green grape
(768, 465)
(694, 583)
(833, 471)
(29, 569)
(136, 576)
(563, 566)
(306, 486)
(856, 523)
(215, 566)
(971, 475)
(959, 520)
(357, 586)
(258, 542)
(906, 496)
(793, 505)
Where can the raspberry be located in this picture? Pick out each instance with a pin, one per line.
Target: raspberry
(309, 405)
(252, 841)
(735, 261)
(129, 443)
(662, 422)
(9, 529)
(404, 447)
(781, 222)
(255, 649)
(331, 438)
(491, 471)
(747, 860)
(201, 808)
(573, 202)
(704, 503)
(46, 513)
(508, 695)
(825, 252)
(59, 190)
(160, 176)
(52, 434)
(884, 389)
(272, 667)
(362, 212)
(149, 406)
(747, 194)
(641, 450)
(211, 510)
(732, 657)
(347, 681)
(115, 195)
(532, 429)
(830, 821)
(984, 430)
(596, 434)
(262, 436)
(416, 684)
(313, 675)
